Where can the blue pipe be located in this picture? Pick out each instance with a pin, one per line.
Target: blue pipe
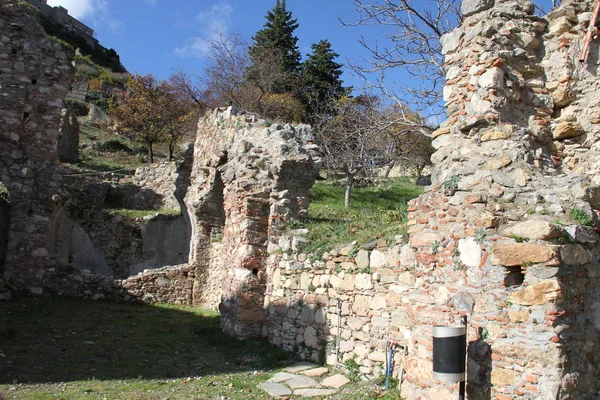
(388, 371)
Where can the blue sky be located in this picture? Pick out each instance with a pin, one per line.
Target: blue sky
(159, 35)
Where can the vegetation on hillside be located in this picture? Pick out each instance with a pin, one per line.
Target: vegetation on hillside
(375, 212)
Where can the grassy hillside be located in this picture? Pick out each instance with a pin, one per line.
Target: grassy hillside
(377, 212)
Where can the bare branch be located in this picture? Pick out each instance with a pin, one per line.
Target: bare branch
(411, 41)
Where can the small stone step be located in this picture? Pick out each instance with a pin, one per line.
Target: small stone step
(301, 382)
(275, 389)
(314, 392)
(336, 381)
(281, 377)
(301, 366)
(315, 372)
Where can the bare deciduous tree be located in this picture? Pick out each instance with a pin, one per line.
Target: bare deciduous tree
(227, 63)
(347, 139)
(412, 32)
(191, 89)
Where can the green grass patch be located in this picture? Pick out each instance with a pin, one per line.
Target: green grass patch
(82, 349)
(129, 213)
(59, 348)
(581, 216)
(375, 213)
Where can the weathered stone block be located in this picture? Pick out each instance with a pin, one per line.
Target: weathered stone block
(378, 259)
(574, 254)
(450, 41)
(513, 254)
(424, 239)
(362, 305)
(565, 130)
(363, 281)
(492, 79)
(470, 252)
(504, 377)
(470, 7)
(532, 230)
(537, 294)
(401, 318)
(362, 259)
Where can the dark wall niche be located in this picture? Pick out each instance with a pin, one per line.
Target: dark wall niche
(515, 276)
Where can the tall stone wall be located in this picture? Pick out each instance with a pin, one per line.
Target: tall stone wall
(159, 179)
(506, 235)
(35, 76)
(246, 180)
(4, 226)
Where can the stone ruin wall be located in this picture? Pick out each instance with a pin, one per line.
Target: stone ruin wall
(56, 238)
(255, 177)
(160, 179)
(35, 75)
(493, 238)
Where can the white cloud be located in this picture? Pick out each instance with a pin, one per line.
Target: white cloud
(77, 8)
(212, 23)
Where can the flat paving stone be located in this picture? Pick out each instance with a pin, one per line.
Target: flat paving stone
(275, 389)
(315, 372)
(301, 382)
(301, 366)
(281, 377)
(336, 381)
(314, 392)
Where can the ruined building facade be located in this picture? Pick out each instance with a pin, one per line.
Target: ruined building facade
(60, 15)
(506, 235)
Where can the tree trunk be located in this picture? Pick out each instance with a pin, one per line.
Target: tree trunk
(389, 169)
(171, 149)
(150, 154)
(349, 184)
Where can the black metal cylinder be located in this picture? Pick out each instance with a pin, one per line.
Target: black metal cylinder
(449, 353)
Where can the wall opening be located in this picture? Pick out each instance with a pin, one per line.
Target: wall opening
(515, 276)
(215, 213)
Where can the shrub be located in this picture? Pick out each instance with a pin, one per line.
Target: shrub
(78, 108)
(284, 107)
(451, 183)
(581, 216)
(95, 84)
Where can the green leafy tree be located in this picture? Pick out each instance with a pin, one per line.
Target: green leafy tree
(321, 73)
(150, 111)
(274, 52)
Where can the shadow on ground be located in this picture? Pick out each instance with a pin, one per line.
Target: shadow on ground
(48, 340)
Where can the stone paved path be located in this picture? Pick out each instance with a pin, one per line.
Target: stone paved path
(304, 379)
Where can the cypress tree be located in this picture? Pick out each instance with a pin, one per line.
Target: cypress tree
(321, 75)
(277, 45)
